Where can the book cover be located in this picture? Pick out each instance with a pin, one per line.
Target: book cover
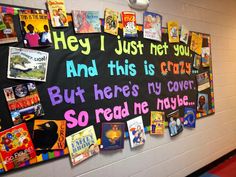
(175, 124)
(129, 24)
(197, 61)
(111, 21)
(206, 56)
(27, 64)
(173, 31)
(86, 21)
(184, 34)
(49, 134)
(202, 104)
(152, 24)
(16, 147)
(7, 29)
(112, 135)
(196, 43)
(136, 131)
(189, 117)
(157, 120)
(35, 28)
(23, 102)
(203, 81)
(82, 145)
(57, 12)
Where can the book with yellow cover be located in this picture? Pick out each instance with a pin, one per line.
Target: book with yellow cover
(111, 21)
(196, 43)
(157, 122)
(173, 31)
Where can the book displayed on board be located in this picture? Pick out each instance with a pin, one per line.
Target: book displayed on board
(152, 24)
(111, 21)
(82, 145)
(86, 21)
(35, 28)
(27, 64)
(57, 12)
(7, 29)
(129, 24)
(189, 117)
(202, 103)
(197, 61)
(196, 43)
(184, 34)
(206, 56)
(112, 135)
(49, 134)
(175, 124)
(136, 131)
(23, 102)
(173, 31)
(16, 147)
(157, 120)
(203, 81)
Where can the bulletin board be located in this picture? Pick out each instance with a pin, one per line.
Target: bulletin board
(121, 78)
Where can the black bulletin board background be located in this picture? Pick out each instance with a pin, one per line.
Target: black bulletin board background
(56, 76)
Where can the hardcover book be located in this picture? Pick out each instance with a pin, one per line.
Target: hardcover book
(203, 81)
(197, 61)
(27, 64)
(173, 31)
(129, 24)
(206, 56)
(152, 24)
(23, 102)
(189, 117)
(196, 43)
(157, 120)
(57, 12)
(112, 135)
(35, 28)
(111, 21)
(184, 34)
(7, 29)
(136, 131)
(202, 104)
(82, 145)
(175, 124)
(86, 21)
(49, 134)
(16, 147)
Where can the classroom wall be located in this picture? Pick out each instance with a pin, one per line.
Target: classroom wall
(213, 137)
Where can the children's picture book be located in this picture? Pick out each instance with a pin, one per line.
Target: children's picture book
(49, 134)
(184, 34)
(175, 124)
(35, 28)
(189, 117)
(173, 31)
(202, 104)
(7, 29)
(196, 43)
(136, 131)
(112, 135)
(157, 120)
(86, 21)
(82, 145)
(152, 24)
(203, 81)
(23, 102)
(57, 12)
(16, 147)
(111, 21)
(206, 56)
(27, 64)
(197, 61)
(129, 24)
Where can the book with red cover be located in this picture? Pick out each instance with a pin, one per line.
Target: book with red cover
(16, 147)
(129, 24)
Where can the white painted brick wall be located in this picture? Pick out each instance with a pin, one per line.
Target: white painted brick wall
(162, 156)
